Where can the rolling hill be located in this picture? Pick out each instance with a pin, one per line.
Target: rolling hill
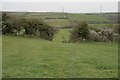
(36, 58)
(63, 19)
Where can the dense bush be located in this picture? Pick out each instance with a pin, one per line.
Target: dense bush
(38, 28)
(32, 27)
(94, 36)
(104, 34)
(11, 24)
(114, 27)
(80, 32)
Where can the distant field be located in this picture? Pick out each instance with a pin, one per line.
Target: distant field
(86, 17)
(36, 58)
(55, 21)
(102, 25)
(98, 25)
(59, 23)
(45, 15)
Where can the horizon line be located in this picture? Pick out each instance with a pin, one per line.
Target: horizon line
(58, 11)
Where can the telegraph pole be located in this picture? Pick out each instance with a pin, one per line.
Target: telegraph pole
(63, 9)
(101, 10)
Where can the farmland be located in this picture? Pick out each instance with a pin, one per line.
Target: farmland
(64, 19)
(86, 17)
(25, 56)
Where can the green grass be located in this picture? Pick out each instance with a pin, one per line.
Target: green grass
(45, 15)
(64, 22)
(72, 16)
(60, 23)
(98, 26)
(36, 58)
(60, 34)
(86, 17)
(27, 57)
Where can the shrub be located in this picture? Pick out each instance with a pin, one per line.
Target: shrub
(32, 27)
(38, 28)
(105, 34)
(80, 32)
(94, 36)
(108, 33)
(4, 16)
(4, 19)
(11, 24)
(116, 28)
(46, 32)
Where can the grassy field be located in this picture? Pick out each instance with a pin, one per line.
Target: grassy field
(72, 16)
(60, 23)
(64, 22)
(28, 57)
(60, 34)
(25, 57)
(86, 17)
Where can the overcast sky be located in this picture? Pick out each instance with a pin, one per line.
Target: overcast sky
(72, 7)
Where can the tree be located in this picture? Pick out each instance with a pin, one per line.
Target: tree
(80, 32)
